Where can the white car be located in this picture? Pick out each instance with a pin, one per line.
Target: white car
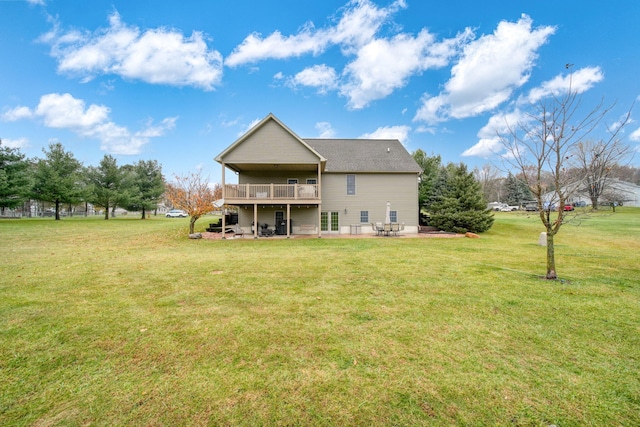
(509, 208)
(176, 213)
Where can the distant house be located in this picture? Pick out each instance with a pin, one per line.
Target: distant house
(294, 185)
(622, 192)
(625, 193)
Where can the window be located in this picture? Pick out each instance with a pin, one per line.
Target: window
(312, 181)
(292, 181)
(393, 216)
(364, 217)
(351, 185)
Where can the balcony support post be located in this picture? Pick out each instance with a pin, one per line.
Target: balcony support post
(255, 221)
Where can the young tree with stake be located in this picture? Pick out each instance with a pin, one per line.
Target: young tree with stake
(543, 142)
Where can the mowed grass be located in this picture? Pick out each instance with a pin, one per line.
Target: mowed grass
(128, 322)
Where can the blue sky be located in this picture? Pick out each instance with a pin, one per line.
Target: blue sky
(178, 82)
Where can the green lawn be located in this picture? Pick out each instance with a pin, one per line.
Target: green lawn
(128, 322)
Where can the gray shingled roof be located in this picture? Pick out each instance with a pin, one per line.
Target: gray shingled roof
(364, 155)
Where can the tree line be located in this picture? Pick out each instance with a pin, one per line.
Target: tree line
(59, 178)
(599, 186)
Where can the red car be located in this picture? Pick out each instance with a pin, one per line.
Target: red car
(568, 207)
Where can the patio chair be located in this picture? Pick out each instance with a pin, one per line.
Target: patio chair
(387, 229)
(238, 231)
(395, 227)
(379, 228)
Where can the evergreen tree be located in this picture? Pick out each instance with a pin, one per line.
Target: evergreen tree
(430, 169)
(15, 177)
(105, 182)
(144, 186)
(516, 191)
(457, 204)
(57, 177)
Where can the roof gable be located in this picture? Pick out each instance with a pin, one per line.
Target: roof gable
(270, 141)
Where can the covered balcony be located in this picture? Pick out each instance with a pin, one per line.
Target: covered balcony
(264, 193)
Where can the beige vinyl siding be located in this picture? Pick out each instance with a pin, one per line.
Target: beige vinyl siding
(304, 218)
(264, 177)
(271, 144)
(372, 193)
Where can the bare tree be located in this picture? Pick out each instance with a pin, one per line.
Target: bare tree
(597, 160)
(193, 194)
(627, 173)
(543, 143)
(490, 182)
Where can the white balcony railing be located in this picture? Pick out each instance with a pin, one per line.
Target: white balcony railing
(260, 192)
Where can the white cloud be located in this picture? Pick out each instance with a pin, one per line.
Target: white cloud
(227, 123)
(63, 111)
(154, 131)
(380, 65)
(384, 65)
(635, 135)
(15, 143)
(359, 23)
(17, 113)
(249, 126)
(275, 46)
(488, 72)
(426, 129)
(158, 56)
(325, 130)
(484, 148)
(489, 143)
(322, 77)
(578, 82)
(400, 133)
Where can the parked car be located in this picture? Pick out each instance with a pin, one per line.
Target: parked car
(568, 207)
(509, 208)
(176, 213)
(531, 207)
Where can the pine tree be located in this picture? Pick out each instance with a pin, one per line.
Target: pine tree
(15, 179)
(457, 204)
(516, 191)
(57, 177)
(106, 182)
(144, 186)
(430, 166)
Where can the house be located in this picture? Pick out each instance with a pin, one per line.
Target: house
(317, 186)
(621, 192)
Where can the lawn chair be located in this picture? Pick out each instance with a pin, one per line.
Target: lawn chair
(238, 231)
(379, 228)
